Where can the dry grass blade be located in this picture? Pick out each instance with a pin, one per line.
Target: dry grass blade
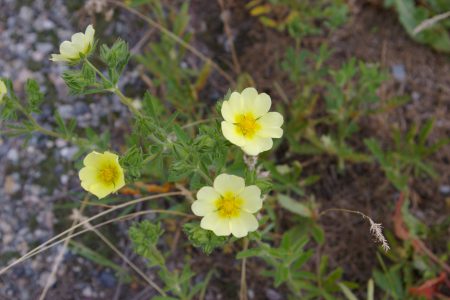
(38, 248)
(60, 256)
(122, 256)
(122, 218)
(430, 22)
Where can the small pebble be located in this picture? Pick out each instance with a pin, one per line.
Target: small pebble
(445, 190)
(399, 72)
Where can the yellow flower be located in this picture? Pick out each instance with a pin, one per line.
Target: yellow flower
(102, 174)
(248, 122)
(3, 90)
(80, 45)
(228, 206)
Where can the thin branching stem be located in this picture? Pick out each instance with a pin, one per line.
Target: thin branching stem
(124, 99)
(37, 127)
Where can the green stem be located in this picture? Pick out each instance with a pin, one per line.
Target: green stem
(150, 158)
(96, 70)
(39, 128)
(125, 100)
(204, 175)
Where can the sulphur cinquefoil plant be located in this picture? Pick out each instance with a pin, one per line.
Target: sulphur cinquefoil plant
(215, 173)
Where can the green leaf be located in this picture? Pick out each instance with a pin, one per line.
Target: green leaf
(294, 206)
(116, 58)
(181, 135)
(318, 234)
(249, 253)
(145, 236)
(132, 162)
(425, 131)
(203, 239)
(34, 95)
(347, 292)
(281, 275)
(375, 148)
(370, 290)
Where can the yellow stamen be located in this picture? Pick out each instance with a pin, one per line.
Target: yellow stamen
(228, 205)
(247, 125)
(108, 174)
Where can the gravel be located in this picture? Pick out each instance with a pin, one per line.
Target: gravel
(37, 173)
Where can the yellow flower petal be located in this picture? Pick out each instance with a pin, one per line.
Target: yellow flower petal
(272, 119)
(111, 156)
(101, 190)
(249, 93)
(225, 183)
(248, 122)
(251, 196)
(207, 194)
(261, 105)
(227, 112)
(68, 50)
(243, 224)
(236, 103)
(120, 180)
(102, 174)
(220, 227)
(258, 145)
(202, 208)
(80, 44)
(88, 177)
(90, 34)
(3, 90)
(230, 132)
(58, 57)
(92, 159)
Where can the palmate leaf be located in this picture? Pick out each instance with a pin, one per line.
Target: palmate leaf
(145, 236)
(116, 58)
(203, 239)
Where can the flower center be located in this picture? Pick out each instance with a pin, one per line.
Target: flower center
(228, 205)
(108, 174)
(247, 125)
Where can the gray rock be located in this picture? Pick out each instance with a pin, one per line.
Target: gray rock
(26, 14)
(445, 190)
(399, 72)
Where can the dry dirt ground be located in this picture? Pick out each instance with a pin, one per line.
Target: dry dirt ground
(372, 34)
